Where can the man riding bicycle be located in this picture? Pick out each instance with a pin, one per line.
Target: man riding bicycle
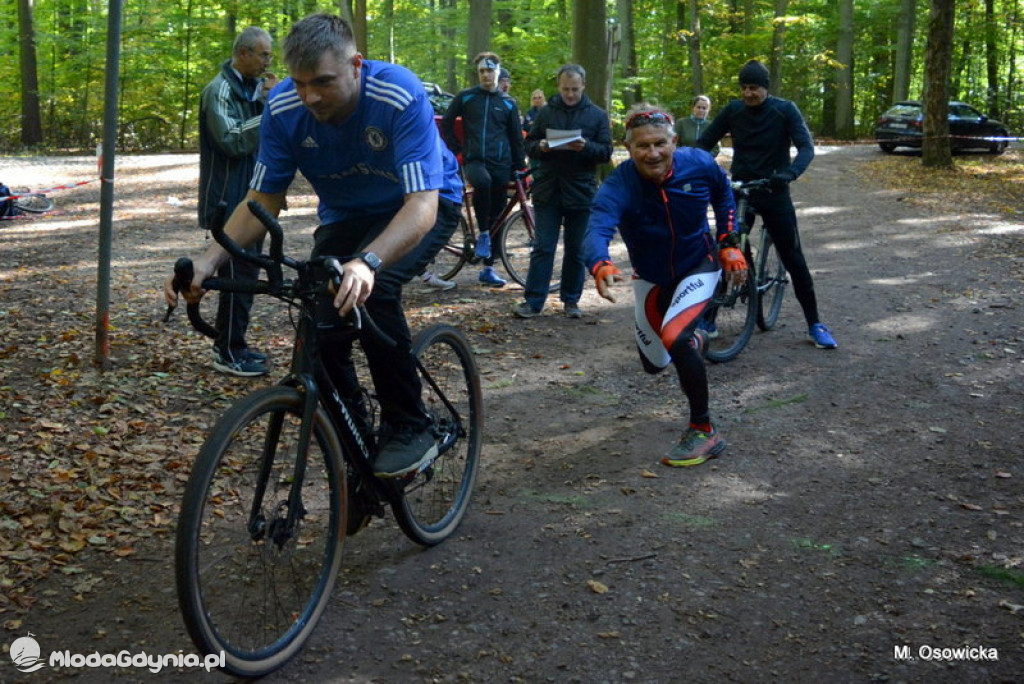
(362, 132)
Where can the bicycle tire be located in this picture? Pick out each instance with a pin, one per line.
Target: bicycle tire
(34, 203)
(239, 590)
(516, 239)
(430, 507)
(733, 315)
(771, 284)
(453, 256)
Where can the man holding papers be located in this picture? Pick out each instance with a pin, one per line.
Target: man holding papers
(568, 140)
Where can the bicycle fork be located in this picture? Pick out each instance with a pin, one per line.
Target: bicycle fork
(288, 514)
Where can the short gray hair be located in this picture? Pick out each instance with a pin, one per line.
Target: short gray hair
(314, 36)
(247, 39)
(571, 69)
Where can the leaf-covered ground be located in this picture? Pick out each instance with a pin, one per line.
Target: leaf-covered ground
(869, 498)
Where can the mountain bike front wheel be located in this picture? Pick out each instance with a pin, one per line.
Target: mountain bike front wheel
(730, 319)
(253, 576)
(434, 501)
(771, 284)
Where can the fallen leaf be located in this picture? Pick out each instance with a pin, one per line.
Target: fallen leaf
(597, 587)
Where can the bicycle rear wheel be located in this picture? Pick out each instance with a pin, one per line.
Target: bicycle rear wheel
(433, 502)
(517, 238)
(34, 203)
(247, 584)
(771, 284)
(453, 256)
(731, 317)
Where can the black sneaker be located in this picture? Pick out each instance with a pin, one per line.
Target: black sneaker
(406, 450)
(244, 366)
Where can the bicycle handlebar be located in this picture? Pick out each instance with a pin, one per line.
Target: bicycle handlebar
(184, 273)
(746, 186)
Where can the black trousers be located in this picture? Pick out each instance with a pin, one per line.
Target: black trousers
(233, 307)
(779, 216)
(394, 374)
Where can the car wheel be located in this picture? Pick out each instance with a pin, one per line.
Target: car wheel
(998, 147)
(887, 147)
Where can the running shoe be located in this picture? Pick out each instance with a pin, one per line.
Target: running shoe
(695, 447)
(483, 245)
(489, 277)
(437, 282)
(405, 451)
(524, 310)
(821, 336)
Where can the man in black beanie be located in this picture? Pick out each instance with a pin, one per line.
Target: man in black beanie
(763, 127)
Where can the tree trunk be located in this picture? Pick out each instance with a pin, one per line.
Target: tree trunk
(452, 69)
(479, 36)
(590, 47)
(631, 91)
(844, 74)
(31, 118)
(778, 43)
(991, 58)
(935, 149)
(696, 61)
(904, 50)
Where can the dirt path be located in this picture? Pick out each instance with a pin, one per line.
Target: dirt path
(870, 499)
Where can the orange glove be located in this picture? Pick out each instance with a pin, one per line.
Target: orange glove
(605, 275)
(734, 265)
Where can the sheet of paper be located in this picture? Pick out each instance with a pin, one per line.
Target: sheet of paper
(557, 137)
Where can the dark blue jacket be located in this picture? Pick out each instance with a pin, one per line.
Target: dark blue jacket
(491, 129)
(665, 227)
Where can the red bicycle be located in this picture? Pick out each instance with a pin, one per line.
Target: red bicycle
(512, 236)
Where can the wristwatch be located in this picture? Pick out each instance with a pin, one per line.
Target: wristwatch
(371, 260)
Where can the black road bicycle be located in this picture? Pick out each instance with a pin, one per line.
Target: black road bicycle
(735, 310)
(286, 473)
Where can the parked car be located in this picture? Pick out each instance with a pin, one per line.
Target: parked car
(438, 97)
(902, 126)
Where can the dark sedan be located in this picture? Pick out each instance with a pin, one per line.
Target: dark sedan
(902, 124)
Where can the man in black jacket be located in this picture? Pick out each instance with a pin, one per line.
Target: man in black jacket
(564, 185)
(491, 149)
(763, 127)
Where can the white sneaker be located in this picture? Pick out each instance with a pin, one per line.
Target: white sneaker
(435, 281)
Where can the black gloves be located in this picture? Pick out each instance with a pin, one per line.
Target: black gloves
(780, 180)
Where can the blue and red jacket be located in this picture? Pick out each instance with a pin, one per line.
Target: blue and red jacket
(665, 227)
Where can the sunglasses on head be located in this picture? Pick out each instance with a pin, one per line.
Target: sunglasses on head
(648, 118)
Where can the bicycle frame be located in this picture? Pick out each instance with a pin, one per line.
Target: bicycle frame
(520, 198)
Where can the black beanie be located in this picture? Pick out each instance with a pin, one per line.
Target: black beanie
(754, 73)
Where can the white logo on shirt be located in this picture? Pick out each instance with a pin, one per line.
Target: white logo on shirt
(309, 142)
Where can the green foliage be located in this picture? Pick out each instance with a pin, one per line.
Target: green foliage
(171, 50)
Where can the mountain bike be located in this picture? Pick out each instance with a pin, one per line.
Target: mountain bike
(286, 474)
(512, 236)
(736, 310)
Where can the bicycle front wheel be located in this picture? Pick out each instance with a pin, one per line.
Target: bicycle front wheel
(517, 239)
(730, 319)
(34, 203)
(771, 284)
(453, 256)
(433, 503)
(253, 575)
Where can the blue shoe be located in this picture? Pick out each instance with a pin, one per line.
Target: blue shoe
(483, 246)
(821, 337)
(489, 277)
(709, 327)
